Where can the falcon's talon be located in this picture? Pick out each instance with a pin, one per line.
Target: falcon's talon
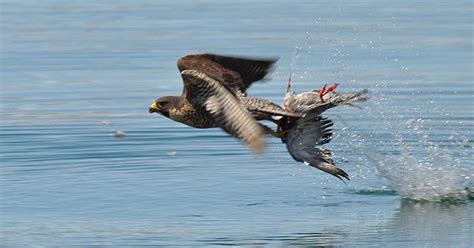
(280, 134)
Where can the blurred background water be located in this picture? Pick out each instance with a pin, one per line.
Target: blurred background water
(73, 73)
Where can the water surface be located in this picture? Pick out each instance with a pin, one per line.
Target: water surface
(73, 73)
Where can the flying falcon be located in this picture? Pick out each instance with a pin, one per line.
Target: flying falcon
(214, 95)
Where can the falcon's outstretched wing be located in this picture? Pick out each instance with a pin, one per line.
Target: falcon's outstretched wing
(301, 143)
(227, 112)
(235, 73)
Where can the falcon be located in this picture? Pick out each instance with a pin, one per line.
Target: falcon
(214, 95)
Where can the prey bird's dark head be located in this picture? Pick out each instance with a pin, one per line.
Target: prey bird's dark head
(163, 105)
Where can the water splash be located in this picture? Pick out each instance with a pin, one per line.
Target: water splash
(296, 56)
(431, 178)
(422, 170)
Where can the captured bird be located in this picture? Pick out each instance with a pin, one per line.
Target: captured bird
(302, 135)
(215, 95)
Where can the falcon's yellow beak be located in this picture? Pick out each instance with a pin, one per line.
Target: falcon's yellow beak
(154, 108)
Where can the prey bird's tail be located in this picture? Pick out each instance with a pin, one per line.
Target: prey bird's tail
(336, 99)
(349, 98)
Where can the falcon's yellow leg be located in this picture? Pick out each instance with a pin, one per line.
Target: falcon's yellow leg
(280, 134)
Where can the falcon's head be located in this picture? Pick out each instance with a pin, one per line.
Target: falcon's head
(163, 105)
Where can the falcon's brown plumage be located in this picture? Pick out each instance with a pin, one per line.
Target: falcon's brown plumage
(214, 95)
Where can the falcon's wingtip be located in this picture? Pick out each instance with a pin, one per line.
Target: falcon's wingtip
(258, 146)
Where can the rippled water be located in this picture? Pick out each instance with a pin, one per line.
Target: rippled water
(75, 73)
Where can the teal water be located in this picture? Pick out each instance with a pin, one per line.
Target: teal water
(75, 72)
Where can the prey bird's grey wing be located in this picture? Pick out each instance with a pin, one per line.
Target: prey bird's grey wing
(301, 142)
(235, 73)
(225, 109)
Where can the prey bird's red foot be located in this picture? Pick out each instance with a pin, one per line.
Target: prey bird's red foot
(321, 93)
(330, 89)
